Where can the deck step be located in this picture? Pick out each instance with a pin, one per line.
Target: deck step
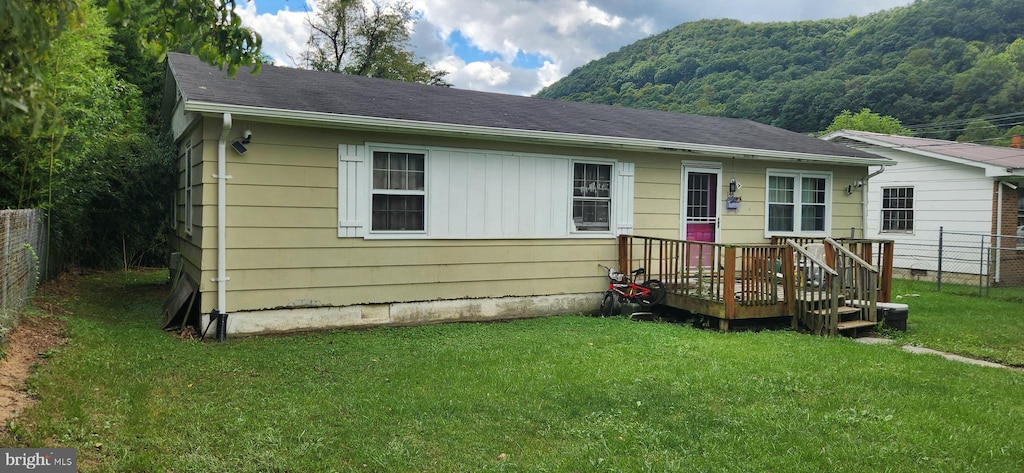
(855, 324)
(843, 310)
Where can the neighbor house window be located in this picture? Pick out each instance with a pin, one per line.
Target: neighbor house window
(1020, 208)
(399, 195)
(188, 187)
(897, 209)
(591, 197)
(1020, 219)
(797, 202)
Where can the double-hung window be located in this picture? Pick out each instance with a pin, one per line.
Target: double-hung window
(897, 210)
(399, 192)
(1020, 219)
(591, 197)
(797, 202)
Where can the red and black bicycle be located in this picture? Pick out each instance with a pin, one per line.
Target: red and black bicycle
(623, 288)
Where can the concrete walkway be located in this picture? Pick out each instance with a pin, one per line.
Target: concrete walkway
(929, 351)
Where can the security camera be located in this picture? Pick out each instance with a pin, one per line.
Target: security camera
(246, 136)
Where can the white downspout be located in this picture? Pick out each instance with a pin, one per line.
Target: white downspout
(999, 227)
(864, 201)
(222, 177)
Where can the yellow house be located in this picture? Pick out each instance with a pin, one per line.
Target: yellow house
(311, 200)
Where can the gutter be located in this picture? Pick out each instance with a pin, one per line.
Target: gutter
(534, 136)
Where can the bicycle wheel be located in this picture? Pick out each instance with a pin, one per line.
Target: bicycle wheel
(654, 297)
(608, 304)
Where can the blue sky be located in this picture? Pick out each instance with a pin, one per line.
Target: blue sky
(520, 46)
(266, 6)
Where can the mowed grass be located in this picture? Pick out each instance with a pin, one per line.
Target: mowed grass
(558, 394)
(958, 320)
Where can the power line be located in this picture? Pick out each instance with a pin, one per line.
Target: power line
(996, 121)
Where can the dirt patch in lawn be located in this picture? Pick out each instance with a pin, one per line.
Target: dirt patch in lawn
(22, 349)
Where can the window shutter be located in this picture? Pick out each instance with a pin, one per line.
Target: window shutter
(353, 194)
(623, 200)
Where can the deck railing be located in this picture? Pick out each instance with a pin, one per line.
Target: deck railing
(736, 275)
(808, 279)
(858, 279)
(878, 253)
(816, 287)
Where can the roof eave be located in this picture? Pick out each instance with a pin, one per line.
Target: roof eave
(991, 170)
(533, 136)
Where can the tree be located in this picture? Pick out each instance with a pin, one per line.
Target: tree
(28, 28)
(210, 28)
(347, 38)
(866, 120)
(98, 171)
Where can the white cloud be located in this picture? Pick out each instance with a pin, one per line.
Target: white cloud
(565, 34)
(284, 33)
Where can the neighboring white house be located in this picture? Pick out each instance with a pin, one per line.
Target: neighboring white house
(967, 190)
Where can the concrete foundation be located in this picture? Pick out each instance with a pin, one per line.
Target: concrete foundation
(408, 313)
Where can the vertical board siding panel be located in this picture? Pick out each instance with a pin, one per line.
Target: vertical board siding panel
(438, 194)
(459, 195)
(623, 200)
(561, 188)
(543, 198)
(510, 178)
(476, 179)
(527, 196)
(352, 188)
(492, 196)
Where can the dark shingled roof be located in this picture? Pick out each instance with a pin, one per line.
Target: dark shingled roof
(303, 90)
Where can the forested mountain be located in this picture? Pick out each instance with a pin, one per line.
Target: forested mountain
(932, 61)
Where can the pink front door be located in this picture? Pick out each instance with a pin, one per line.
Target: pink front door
(701, 215)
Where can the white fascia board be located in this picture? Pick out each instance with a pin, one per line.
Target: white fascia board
(990, 170)
(508, 134)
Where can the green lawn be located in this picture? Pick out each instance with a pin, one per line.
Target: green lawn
(569, 393)
(958, 320)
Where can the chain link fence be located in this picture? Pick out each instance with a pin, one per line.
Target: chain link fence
(22, 247)
(980, 259)
(963, 261)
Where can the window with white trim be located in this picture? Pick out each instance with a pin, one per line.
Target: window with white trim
(591, 197)
(399, 192)
(897, 210)
(188, 186)
(1020, 218)
(797, 202)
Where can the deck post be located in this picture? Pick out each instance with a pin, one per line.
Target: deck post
(624, 253)
(789, 283)
(729, 282)
(885, 294)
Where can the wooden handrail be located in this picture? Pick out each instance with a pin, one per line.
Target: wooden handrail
(813, 258)
(851, 254)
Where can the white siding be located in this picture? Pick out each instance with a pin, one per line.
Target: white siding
(476, 194)
(484, 194)
(953, 196)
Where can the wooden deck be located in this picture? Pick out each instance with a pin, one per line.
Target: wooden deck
(781, 279)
